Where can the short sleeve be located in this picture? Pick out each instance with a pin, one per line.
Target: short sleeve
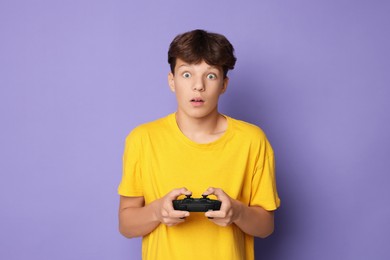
(131, 183)
(264, 192)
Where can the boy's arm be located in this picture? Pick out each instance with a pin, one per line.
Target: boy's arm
(137, 219)
(252, 220)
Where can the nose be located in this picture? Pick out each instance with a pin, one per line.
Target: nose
(199, 85)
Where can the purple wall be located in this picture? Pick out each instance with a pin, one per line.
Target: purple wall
(77, 76)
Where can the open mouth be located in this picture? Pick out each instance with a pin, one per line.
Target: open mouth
(197, 100)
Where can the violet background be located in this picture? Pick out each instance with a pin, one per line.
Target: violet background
(77, 76)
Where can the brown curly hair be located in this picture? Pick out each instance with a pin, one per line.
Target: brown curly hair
(198, 45)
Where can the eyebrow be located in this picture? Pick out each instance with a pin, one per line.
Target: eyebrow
(189, 65)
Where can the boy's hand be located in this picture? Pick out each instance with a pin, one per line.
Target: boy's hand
(230, 208)
(164, 210)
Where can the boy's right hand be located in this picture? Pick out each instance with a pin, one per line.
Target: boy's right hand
(164, 211)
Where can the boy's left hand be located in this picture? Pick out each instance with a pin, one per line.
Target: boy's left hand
(230, 208)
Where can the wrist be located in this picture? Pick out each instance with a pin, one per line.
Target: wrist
(238, 208)
(154, 207)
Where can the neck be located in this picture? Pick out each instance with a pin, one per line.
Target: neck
(202, 130)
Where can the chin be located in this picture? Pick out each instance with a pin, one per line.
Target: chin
(200, 114)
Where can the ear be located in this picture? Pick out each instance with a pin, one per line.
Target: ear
(225, 85)
(171, 81)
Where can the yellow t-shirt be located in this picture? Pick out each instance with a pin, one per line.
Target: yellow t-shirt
(158, 158)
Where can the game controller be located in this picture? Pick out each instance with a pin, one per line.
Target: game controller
(203, 204)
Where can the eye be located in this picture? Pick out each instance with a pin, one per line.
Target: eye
(186, 75)
(211, 76)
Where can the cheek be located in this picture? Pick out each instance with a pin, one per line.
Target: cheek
(216, 91)
(213, 97)
(180, 94)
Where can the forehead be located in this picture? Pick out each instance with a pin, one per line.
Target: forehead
(180, 64)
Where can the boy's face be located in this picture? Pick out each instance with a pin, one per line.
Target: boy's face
(197, 88)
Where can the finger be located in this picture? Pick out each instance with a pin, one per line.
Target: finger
(209, 191)
(215, 214)
(178, 214)
(215, 191)
(177, 192)
(173, 221)
(219, 193)
(209, 214)
(173, 195)
(219, 221)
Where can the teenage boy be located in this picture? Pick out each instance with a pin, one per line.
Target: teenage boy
(198, 151)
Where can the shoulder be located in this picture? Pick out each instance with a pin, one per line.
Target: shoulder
(146, 129)
(247, 129)
(250, 134)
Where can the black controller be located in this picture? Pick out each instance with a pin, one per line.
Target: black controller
(203, 204)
